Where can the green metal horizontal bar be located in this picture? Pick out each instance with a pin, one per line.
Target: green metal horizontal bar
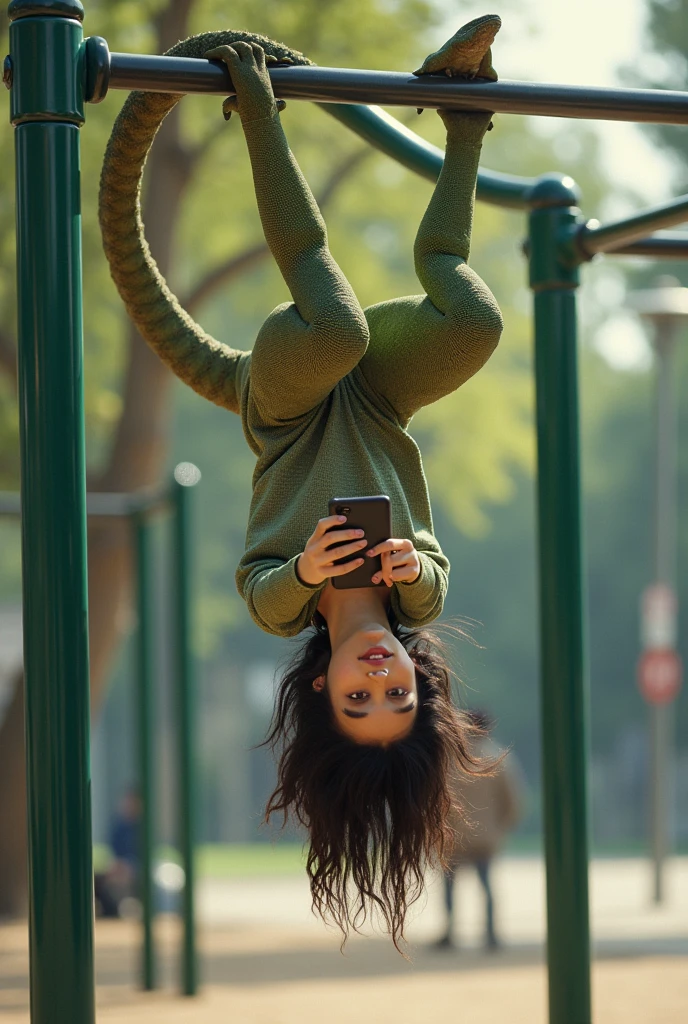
(113, 504)
(102, 504)
(391, 137)
(394, 88)
(592, 238)
(662, 245)
(184, 74)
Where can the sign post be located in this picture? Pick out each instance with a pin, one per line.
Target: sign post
(659, 680)
(665, 308)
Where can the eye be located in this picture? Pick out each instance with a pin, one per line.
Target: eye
(358, 695)
(397, 691)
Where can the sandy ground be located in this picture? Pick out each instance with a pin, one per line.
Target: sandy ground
(264, 960)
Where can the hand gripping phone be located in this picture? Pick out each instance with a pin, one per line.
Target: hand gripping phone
(373, 516)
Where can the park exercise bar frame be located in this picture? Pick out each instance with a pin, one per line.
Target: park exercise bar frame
(139, 509)
(52, 72)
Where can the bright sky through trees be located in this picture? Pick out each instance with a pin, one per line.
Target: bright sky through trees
(581, 43)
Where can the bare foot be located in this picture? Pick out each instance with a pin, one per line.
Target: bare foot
(467, 54)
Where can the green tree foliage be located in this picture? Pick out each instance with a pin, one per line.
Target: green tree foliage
(664, 65)
(620, 433)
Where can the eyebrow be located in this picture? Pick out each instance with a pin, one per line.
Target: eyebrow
(364, 714)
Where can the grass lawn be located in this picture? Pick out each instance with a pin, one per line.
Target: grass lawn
(248, 860)
(252, 860)
(230, 860)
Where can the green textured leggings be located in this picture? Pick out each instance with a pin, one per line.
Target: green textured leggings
(413, 350)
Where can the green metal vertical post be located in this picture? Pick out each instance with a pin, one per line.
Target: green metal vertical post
(144, 687)
(185, 476)
(554, 278)
(46, 103)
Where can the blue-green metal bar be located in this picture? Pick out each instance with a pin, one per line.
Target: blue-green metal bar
(398, 88)
(397, 141)
(341, 92)
(661, 245)
(146, 721)
(101, 504)
(592, 238)
(181, 596)
(46, 102)
(554, 278)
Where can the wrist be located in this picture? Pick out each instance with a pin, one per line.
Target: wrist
(253, 116)
(466, 126)
(419, 573)
(304, 573)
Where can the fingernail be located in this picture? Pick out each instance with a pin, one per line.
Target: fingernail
(369, 554)
(359, 533)
(375, 579)
(342, 519)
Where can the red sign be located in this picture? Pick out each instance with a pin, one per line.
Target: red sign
(659, 675)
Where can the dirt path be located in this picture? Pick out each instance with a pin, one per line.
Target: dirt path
(297, 976)
(265, 960)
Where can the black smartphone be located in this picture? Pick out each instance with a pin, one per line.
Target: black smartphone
(373, 516)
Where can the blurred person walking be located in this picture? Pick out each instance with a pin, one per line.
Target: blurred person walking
(490, 807)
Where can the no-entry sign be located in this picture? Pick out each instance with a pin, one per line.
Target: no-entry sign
(659, 675)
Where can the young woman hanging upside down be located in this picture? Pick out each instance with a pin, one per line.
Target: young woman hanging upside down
(364, 724)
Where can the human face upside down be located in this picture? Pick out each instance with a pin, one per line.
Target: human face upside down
(371, 679)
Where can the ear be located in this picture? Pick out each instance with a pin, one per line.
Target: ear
(319, 684)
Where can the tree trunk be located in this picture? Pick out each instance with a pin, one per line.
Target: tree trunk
(137, 460)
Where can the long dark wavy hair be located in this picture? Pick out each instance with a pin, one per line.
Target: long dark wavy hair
(376, 817)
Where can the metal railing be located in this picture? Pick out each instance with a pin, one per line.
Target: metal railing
(139, 508)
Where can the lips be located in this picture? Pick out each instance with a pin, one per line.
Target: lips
(375, 655)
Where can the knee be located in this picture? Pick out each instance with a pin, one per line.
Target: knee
(476, 315)
(485, 325)
(344, 329)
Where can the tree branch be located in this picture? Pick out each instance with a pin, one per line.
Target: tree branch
(172, 23)
(255, 254)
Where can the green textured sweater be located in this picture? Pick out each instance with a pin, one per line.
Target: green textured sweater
(328, 391)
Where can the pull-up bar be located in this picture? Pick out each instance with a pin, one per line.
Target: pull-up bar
(661, 245)
(343, 91)
(593, 237)
(398, 89)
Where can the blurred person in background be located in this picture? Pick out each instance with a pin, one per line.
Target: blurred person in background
(490, 808)
(120, 880)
